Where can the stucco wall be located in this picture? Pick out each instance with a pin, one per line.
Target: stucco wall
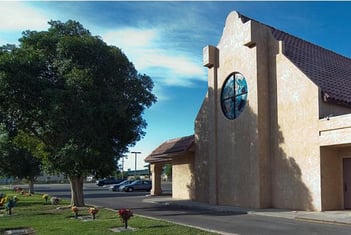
(156, 170)
(332, 176)
(201, 161)
(237, 151)
(296, 174)
(183, 185)
(335, 130)
(332, 179)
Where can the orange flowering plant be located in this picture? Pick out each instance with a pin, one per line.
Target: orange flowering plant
(93, 211)
(75, 211)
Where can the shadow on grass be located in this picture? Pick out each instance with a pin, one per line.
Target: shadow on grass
(30, 203)
(47, 213)
(154, 226)
(17, 230)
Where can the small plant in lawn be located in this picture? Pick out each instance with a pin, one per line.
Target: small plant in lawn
(125, 215)
(3, 199)
(17, 189)
(10, 203)
(75, 211)
(46, 197)
(54, 200)
(93, 211)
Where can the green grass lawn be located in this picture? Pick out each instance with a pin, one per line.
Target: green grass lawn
(33, 212)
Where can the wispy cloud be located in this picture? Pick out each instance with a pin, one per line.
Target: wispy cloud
(147, 50)
(16, 16)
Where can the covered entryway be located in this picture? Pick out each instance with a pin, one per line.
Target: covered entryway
(180, 154)
(335, 152)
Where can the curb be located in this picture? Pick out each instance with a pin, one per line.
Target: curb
(322, 221)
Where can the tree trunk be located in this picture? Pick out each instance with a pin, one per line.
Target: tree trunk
(31, 185)
(77, 196)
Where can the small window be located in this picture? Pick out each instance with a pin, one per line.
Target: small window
(234, 95)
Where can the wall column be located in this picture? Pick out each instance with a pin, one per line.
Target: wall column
(156, 171)
(210, 60)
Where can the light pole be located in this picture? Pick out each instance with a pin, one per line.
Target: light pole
(124, 156)
(135, 163)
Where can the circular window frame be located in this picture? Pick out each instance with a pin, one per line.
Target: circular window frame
(232, 102)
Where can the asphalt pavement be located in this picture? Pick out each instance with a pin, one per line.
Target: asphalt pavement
(341, 217)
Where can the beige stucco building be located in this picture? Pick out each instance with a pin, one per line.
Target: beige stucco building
(274, 130)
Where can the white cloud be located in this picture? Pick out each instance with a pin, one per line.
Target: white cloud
(180, 65)
(147, 50)
(131, 37)
(16, 16)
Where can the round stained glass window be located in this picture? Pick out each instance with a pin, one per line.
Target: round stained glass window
(234, 95)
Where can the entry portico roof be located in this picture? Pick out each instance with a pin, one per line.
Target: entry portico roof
(171, 148)
(330, 71)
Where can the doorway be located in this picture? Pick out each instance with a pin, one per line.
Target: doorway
(347, 182)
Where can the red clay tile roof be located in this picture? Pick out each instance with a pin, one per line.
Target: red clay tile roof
(330, 71)
(172, 147)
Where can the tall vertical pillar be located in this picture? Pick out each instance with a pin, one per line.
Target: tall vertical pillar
(210, 60)
(156, 171)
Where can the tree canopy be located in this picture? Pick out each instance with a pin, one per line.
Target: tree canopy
(81, 98)
(17, 161)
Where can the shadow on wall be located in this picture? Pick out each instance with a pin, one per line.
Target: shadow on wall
(191, 187)
(280, 180)
(200, 176)
(289, 190)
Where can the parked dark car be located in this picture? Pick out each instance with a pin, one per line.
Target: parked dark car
(137, 185)
(106, 181)
(116, 187)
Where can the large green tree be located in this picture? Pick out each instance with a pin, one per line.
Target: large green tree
(82, 98)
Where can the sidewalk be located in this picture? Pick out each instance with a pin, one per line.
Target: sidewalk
(336, 217)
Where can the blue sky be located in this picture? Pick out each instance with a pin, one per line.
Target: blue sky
(165, 40)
